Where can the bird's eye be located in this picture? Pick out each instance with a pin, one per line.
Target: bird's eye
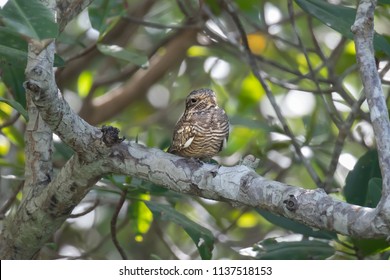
(194, 100)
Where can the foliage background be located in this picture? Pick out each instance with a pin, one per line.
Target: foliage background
(311, 71)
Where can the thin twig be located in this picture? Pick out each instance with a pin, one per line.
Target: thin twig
(100, 244)
(83, 52)
(304, 51)
(232, 48)
(90, 209)
(342, 132)
(384, 70)
(113, 224)
(344, 126)
(291, 84)
(256, 71)
(158, 25)
(129, 71)
(11, 199)
(339, 144)
(10, 121)
(126, 72)
(232, 224)
(317, 46)
(171, 247)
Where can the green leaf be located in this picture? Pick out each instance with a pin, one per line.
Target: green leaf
(12, 46)
(381, 44)
(13, 60)
(251, 92)
(29, 18)
(374, 192)
(368, 247)
(14, 135)
(364, 187)
(271, 249)
(13, 50)
(84, 83)
(336, 17)
(13, 77)
(102, 11)
(339, 18)
(214, 6)
(202, 237)
(11, 55)
(16, 106)
(98, 11)
(58, 61)
(251, 8)
(123, 54)
(357, 182)
(296, 227)
(140, 215)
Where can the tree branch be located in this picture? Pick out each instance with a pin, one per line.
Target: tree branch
(38, 136)
(240, 185)
(363, 30)
(114, 220)
(45, 209)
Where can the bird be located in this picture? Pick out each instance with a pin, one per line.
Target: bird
(203, 129)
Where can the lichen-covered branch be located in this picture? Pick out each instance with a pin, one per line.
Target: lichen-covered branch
(45, 209)
(240, 185)
(38, 136)
(363, 28)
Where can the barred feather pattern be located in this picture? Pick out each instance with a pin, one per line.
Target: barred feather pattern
(203, 128)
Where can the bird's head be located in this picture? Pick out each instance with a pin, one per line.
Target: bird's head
(201, 99)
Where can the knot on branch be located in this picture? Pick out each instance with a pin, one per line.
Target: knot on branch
(364, 18)
(32, 86)
(110, 135)
(250, 161)
(291, 203)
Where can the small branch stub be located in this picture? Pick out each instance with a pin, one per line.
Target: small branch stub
(110, 136)
(250, 161)
(291, 203)
(32, 86)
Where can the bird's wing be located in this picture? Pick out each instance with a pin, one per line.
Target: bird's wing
(223, 128)
(183, 136)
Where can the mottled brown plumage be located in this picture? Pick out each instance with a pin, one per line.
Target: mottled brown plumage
(203, 128)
